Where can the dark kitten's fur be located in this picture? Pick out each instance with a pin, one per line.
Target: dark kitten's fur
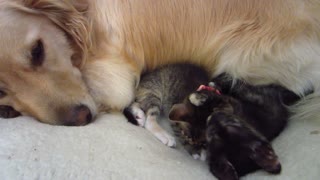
(241, 124)
(236, 127)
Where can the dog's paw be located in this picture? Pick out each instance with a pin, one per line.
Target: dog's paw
(166, 138)
(198, 99)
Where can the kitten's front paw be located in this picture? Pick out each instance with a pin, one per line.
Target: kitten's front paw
(198, 99)
(138, 114)
(202, 156)
(166, 138)
(196, 156)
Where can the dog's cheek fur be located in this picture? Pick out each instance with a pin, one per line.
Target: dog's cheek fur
(111, 84)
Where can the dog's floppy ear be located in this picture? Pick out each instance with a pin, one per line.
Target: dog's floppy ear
(178, 112)
(69, 15)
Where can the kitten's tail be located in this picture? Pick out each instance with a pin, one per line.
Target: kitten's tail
(307, 108)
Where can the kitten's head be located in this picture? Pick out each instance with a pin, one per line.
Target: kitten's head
(196, 108)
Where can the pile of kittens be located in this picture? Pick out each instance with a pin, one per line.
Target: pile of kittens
(224, 121)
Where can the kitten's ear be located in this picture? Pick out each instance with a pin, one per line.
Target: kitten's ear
(178, 111)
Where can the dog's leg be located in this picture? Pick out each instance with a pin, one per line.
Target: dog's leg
(152, 125)
(8, 112)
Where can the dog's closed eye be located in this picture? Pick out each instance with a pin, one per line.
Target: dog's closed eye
(2, 94)
(37, 53)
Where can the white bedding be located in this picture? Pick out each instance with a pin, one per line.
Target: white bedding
(111, 148)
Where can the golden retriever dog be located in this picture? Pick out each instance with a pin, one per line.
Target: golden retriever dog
(63, 61)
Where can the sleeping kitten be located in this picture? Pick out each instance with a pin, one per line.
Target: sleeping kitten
(160, 90)
(235, 126)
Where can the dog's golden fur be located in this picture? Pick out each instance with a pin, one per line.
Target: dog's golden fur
(97, 49)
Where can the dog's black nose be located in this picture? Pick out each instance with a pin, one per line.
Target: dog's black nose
(78, 116)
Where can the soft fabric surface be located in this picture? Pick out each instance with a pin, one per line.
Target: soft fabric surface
(111, 148)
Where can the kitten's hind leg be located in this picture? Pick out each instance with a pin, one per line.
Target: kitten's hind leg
(152, 125)
(218, 163)
(264, 156)
(255, 146)
(248, 140)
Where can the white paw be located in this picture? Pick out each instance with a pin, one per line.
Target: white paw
(196, 156)
(166, 139)
(138, 114)
(203, 155)
(197, 99)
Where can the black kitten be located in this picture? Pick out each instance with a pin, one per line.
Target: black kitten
(236, 125)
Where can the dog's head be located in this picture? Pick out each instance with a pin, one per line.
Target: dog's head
(43, 44)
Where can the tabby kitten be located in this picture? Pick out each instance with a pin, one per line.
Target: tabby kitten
(158, 91)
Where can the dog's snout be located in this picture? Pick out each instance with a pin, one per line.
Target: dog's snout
(78, 116)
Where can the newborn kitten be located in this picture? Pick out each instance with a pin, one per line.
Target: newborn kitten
(242, 121)
(158, 91)
(236, 125)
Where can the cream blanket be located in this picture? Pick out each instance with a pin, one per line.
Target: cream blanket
(111, 148)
